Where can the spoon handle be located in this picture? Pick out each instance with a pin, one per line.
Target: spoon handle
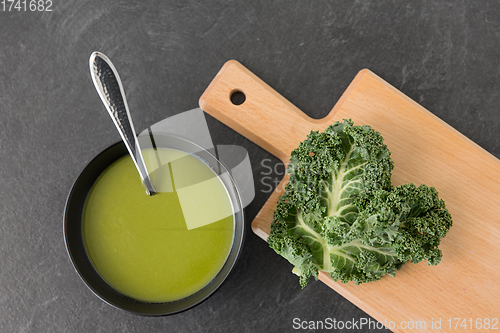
(109, 87)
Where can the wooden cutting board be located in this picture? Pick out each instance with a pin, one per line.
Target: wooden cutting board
(425, 150)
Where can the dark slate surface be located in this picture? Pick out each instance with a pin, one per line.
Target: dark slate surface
(443, 54)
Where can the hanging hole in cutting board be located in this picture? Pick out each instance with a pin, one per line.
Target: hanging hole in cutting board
(237, 97)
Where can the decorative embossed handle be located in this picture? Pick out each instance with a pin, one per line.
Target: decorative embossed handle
(109, 87)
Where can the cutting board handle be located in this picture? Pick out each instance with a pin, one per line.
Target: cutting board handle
(265, 117)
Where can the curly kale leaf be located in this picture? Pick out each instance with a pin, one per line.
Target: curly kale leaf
(340, 213)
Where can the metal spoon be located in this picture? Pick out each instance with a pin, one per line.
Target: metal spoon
(109, 87)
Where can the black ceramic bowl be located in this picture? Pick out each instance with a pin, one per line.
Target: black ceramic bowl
(74, 239)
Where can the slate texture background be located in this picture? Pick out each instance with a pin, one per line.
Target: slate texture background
(443, 54)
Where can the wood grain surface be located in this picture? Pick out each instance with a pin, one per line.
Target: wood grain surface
(424, 150)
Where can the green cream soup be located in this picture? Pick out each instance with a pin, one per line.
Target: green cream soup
(164, 247)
